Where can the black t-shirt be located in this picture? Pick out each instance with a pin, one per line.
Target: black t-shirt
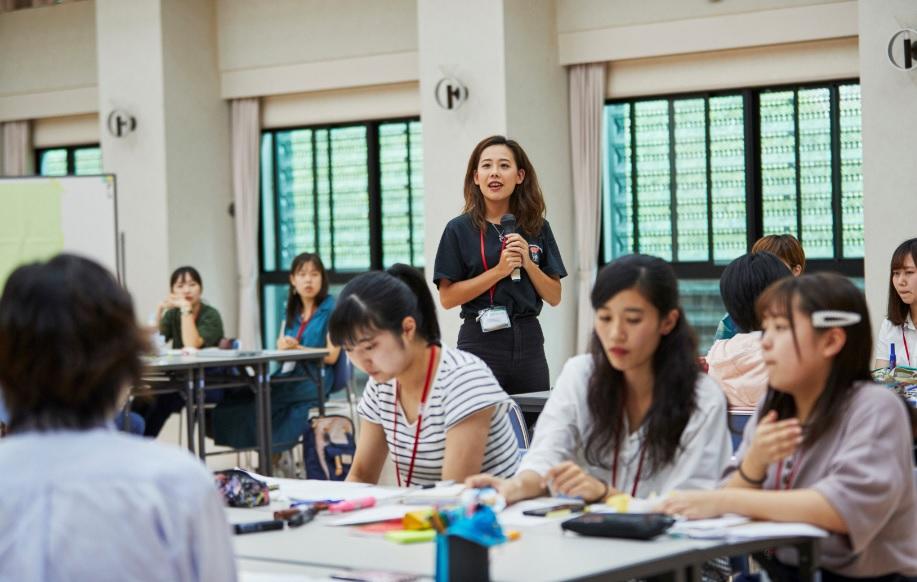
(458, 258)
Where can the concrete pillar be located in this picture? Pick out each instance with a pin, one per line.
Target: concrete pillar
(889, 129)
(505, 53)
(157, 60)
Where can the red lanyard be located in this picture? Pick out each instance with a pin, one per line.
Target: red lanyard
(907, 352)
(484, 260)
(423, 401)
(791, 477)
(302, 326)
(614, 465)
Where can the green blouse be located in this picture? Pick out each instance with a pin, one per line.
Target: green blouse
(209, 326)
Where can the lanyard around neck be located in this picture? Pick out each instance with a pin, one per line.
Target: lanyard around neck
(423, 402)
(484, 261)
(614, 465)
(305, 322)
(907, 352)
(797, 462)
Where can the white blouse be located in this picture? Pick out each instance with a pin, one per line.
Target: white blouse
(565, 423)
(905, 339)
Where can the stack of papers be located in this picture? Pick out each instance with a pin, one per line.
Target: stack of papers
(737, 528)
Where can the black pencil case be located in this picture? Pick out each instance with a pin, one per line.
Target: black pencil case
(637, 526)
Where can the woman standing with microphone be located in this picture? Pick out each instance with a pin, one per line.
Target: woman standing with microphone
(499, 261)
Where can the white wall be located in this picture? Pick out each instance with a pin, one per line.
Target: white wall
(288, 46)
(614, 37)
(889, 98)
(580, 15)
(48, 61)
(198, 173)
(130, 77)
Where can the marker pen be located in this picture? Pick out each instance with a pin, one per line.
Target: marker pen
(257, 526)
(352, 505)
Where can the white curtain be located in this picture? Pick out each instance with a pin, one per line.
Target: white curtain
(246, 129)
(587, 97)
(17, 149)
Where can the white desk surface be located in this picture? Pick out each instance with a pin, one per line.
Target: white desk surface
(544, 553)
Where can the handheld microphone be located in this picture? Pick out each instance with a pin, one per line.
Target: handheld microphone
(508, 222)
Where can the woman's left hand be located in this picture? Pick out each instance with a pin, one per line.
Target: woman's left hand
(517, 244)
(693, 504)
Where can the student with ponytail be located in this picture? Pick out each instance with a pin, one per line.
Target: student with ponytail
(437, 411)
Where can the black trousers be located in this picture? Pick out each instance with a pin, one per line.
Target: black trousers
(515, 355)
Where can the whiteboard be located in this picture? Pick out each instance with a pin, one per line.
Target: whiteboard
(42, 216)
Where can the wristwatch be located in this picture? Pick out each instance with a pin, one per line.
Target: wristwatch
(186, 311)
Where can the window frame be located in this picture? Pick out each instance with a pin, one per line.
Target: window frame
(71, 156)
(280, 276)
(851, 267)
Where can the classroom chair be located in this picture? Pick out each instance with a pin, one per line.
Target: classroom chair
(517, 421)
(737, 421)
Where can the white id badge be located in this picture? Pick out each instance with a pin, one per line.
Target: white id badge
(494, 318)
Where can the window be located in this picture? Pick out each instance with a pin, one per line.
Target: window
(353, 193)
(69, 161)
(696, 179)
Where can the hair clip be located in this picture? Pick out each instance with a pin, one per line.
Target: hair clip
(829, 318)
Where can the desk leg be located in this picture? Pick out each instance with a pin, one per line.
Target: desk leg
(201, 430)
(808, 562)
(189, 408)
(262, 385)
(320, 384)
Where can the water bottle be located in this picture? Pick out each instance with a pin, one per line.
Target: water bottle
(891, 356)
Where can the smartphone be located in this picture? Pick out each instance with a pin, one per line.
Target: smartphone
(574, 507)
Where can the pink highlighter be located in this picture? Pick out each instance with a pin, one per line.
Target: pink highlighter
(352, 505)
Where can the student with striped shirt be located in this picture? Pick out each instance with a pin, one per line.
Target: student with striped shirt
(437, 410)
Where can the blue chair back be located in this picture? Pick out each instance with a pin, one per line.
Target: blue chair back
(737, 422)
(517, 421)
(343, 371)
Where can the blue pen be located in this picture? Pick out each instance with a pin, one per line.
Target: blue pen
(298, 502)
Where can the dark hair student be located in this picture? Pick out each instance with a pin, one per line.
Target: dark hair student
(827, 446)
(447, 399)
(379, 301)
(500, 262)
(898, 334)
(743, 280)
(69, 344)
(636, 408)
(294, 301)
(70, 350)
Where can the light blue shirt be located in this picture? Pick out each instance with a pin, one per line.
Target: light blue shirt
(103, 505)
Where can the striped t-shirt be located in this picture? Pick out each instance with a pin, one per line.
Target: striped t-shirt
(462, 385)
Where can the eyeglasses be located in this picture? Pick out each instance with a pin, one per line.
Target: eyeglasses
(828, 318)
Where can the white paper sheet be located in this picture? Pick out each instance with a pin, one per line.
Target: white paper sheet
(714, 528)
(444, 494)
(512, 516)
(374, 514)
(317, 490)
(769, 529)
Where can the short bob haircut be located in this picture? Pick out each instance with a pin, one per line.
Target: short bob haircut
(786, 246)
(180, 273)
(69, 344)
(898, 310)
(743, 281)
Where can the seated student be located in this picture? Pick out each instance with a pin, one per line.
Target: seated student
(437, 410)
(898, 327)
(788, 249)
(80, 500)
(827, 446)
(635, 415)
(305, 326)
(187, 322)
(736, 363)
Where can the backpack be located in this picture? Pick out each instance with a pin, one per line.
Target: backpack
(328, 447)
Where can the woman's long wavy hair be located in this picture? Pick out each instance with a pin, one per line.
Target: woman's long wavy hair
(526, 202)
(675, 367)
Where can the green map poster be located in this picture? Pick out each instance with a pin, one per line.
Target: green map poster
(30, 223)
